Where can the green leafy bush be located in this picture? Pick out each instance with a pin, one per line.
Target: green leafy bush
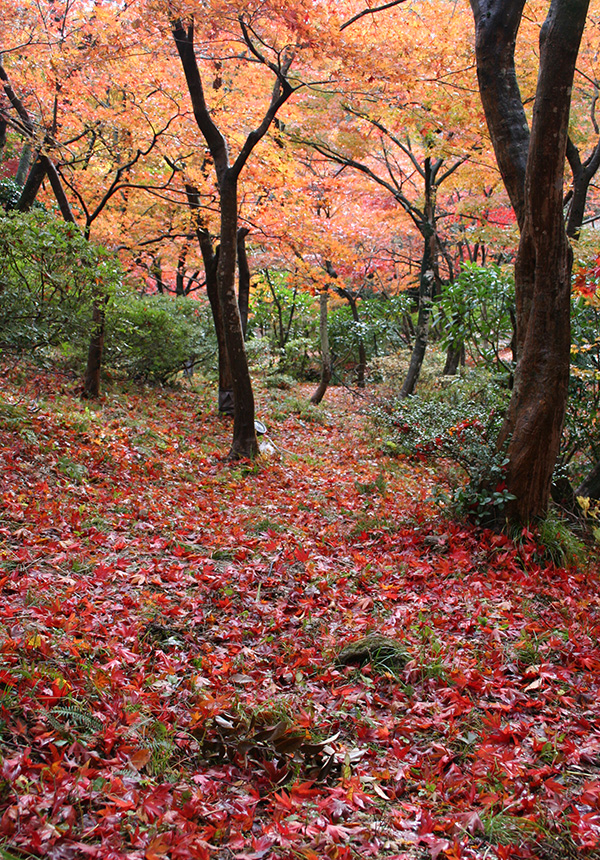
(10, 192)
(153, 338)
(477, 310)
(48, 276)
(382, 328)
(456, 427)
(286, 318)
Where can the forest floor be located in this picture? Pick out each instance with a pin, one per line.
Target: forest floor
(170, 633)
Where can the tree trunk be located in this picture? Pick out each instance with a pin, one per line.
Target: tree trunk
(362, 353)
(582, 177)
(210, 258)
(243, 278)
(536, 411)
(244, 443)
(32, 185)
(91, 382)
(590, 486)
(427, 282)
(496, 27)
(24, 164)
(454, 357)
(325, 354)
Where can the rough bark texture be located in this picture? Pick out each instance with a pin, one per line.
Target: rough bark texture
(535, 416)
(496, 27)
(325, 353)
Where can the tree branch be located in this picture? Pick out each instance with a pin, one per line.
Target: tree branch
(370, 11)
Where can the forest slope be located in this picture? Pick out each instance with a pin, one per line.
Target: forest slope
(171, 623)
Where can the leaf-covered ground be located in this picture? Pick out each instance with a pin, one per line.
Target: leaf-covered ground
(170, 626)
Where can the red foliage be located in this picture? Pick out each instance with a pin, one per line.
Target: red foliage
(169, 630)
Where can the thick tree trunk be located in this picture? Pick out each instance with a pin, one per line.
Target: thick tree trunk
(536, 412)
(325, 353)
(243, 278)
(496, 27)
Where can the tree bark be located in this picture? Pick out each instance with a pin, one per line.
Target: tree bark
(583, 173)
(210, 258)
(427, 281)
(325, 353)
(496, 27)
(245, 443)
(24, 164)
(243, 278)
(91, 382)
(536, 411)
(32, 185)
(590, 486)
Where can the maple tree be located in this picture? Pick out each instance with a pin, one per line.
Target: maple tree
(532, 167)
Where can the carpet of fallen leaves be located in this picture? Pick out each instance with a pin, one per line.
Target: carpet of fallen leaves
(170, 623)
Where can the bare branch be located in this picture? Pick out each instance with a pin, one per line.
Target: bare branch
(370, 11)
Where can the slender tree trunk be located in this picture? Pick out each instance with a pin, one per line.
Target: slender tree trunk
(454, 357)
(244, 443)
(362, 353)
(91, 382)
(325, 353)
(426, 288)
(210, 258)
(582, 177)
(427, 284)
(243, 278)
(24, 164)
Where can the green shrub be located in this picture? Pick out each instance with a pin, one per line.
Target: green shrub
(477, 310)
(382, 328)
(287, 318)
(153, 338)
(456, 427)
(10, 192)
(48, 276)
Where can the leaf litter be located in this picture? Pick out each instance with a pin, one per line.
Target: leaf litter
(171, 631)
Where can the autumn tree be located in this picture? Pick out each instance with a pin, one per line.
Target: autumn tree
(532, 166)
(244, 442)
